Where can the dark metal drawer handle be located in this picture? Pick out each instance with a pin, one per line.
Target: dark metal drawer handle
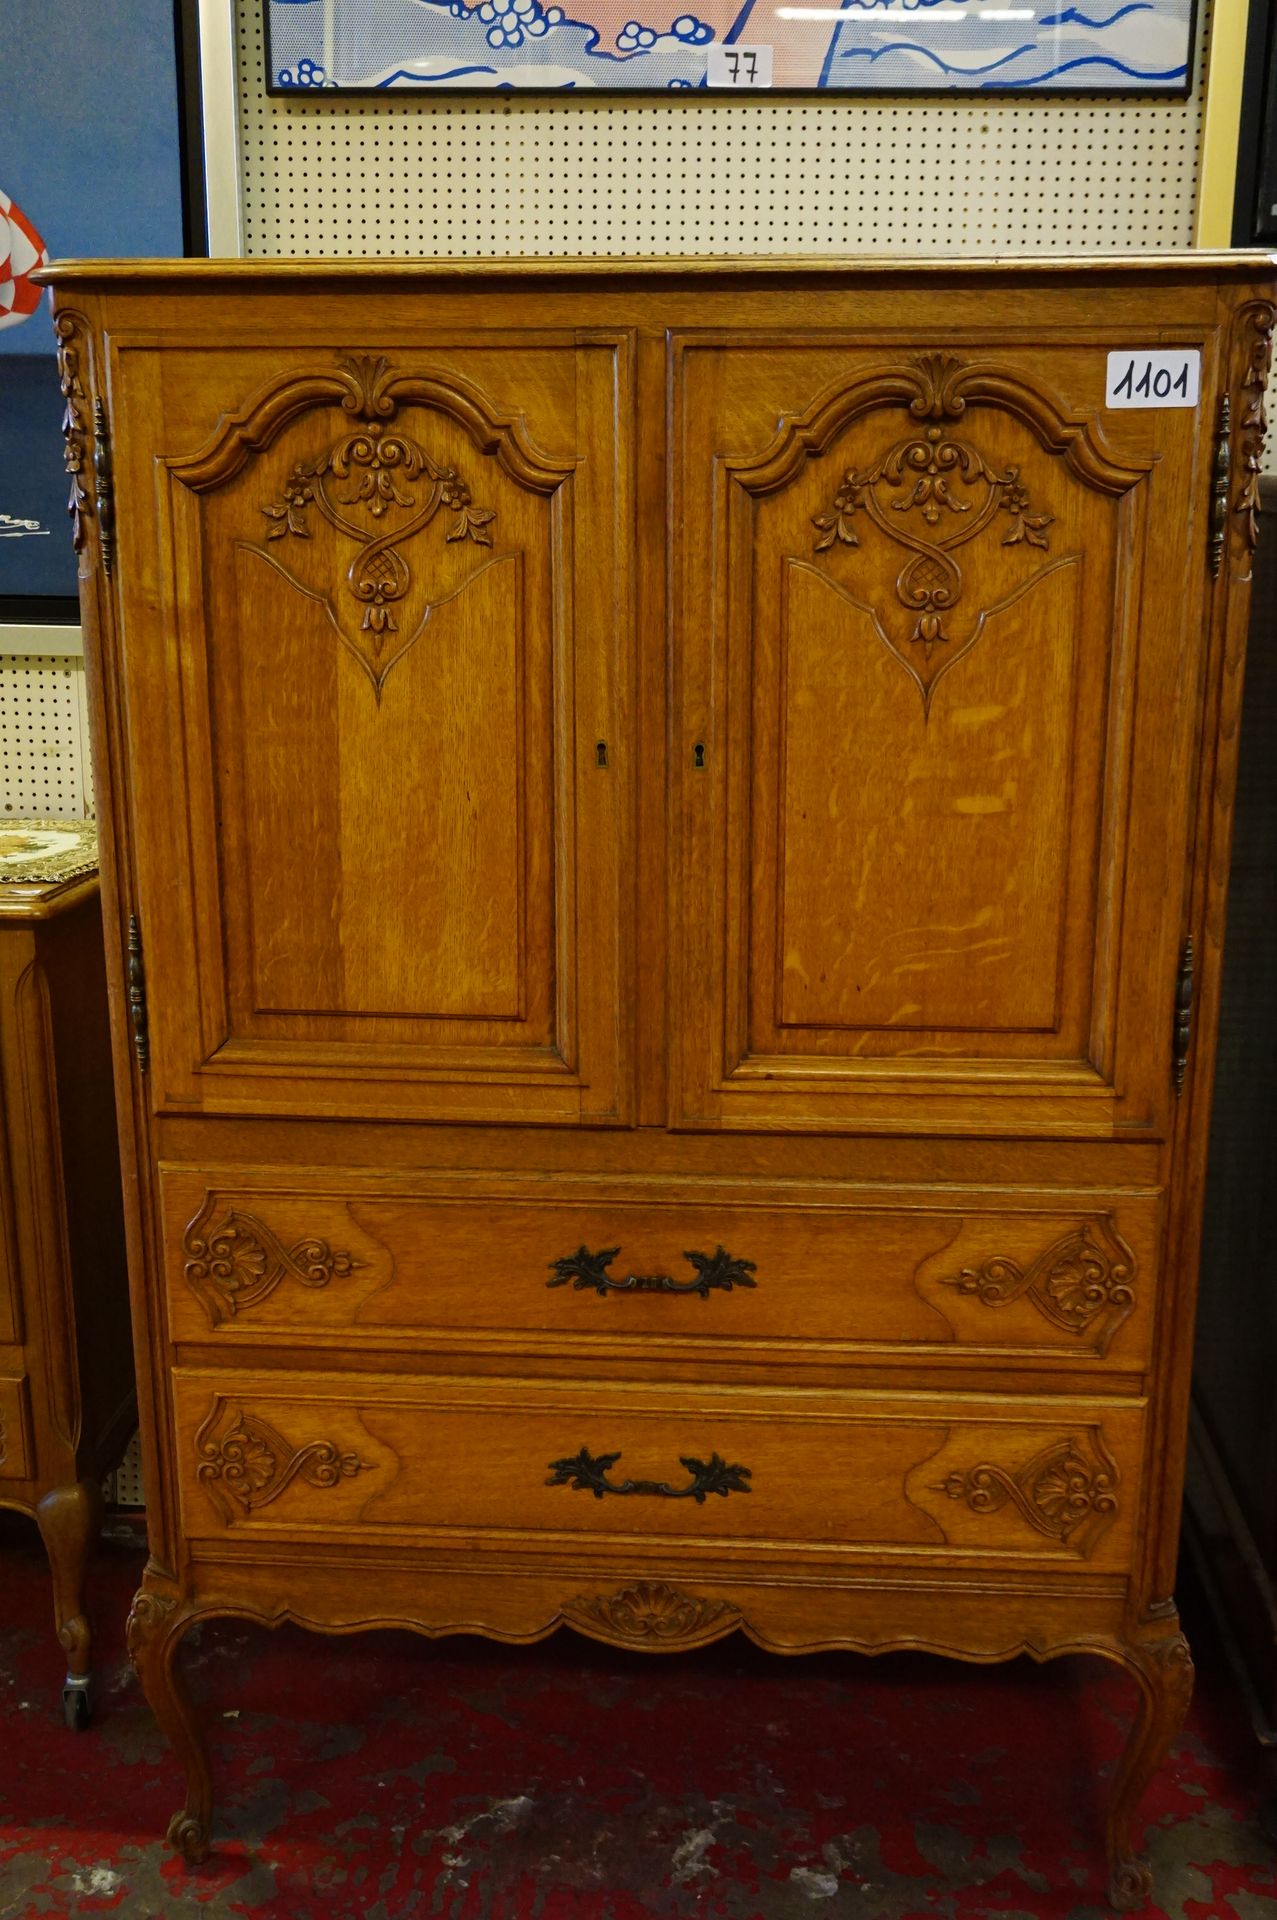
(586, 1269)
(588, 1472)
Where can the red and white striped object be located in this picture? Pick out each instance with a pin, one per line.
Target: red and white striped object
(21, 251)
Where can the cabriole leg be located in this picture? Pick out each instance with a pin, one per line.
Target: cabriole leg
(70, 1520)
(1163, 1666)
(156, 1625)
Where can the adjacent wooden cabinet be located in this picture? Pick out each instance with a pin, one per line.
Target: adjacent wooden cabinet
(1232, 1461)
(67, 1406)
(668, 826)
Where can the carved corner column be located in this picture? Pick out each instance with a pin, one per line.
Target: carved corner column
(1163, 1666)
(1255, 324)
(157, 1621)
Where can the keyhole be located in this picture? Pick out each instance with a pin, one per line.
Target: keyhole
(600, 754)
(698, 757)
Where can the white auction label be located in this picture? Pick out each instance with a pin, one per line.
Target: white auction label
(738, 66)
(1154, 377)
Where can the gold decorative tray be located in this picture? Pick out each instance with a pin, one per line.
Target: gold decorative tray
(47, 849)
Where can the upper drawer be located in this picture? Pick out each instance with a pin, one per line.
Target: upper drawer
(727, 1267)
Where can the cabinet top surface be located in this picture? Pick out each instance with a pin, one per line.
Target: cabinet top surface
(24, 901)
(1245, 264)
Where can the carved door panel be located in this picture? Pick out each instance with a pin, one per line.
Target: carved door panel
(375, 651)
(933, 712)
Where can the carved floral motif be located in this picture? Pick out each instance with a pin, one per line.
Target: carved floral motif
(104, 479)
(950, 485)
(147, 1617)
(135, 983)
(250, 1464)
(1076, 1282)
(1172, 1660)
(1221, 481)
(1183, 1035)
(360, 480)
(1059, 1492)
(239, 1262)
(650, 1612)
(1252, 419)
(74, 423)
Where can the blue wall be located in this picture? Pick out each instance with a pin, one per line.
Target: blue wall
(89, 149)
(89, 131)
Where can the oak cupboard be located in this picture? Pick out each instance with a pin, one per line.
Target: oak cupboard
(67, 1407)
(1232, 1456)
(667, 827)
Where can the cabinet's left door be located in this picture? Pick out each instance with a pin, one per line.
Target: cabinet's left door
(372, 621)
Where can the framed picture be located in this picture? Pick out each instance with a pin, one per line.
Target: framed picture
(1255, 191)
(96, 109)
(738, 46)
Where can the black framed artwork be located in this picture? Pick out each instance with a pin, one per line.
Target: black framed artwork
(1255, 206)
(99, 157)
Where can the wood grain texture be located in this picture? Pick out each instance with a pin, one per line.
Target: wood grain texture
(664, 803)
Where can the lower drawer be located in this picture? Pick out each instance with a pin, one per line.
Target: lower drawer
(375, 1458)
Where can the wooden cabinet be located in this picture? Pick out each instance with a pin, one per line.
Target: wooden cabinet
(669, 826)
(66, 1377)
(1232, 1465)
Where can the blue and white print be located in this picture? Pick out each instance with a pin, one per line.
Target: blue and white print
(893, 46)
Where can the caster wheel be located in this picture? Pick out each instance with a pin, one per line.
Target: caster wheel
(77, 1708)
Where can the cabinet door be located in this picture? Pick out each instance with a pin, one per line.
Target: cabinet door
(373, 619)
(935, 674)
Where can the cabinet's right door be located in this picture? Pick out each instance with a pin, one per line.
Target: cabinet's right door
(936, 668)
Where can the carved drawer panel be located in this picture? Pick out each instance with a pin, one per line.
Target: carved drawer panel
(15, 1444)
(435, 1460)
(1060, 1276)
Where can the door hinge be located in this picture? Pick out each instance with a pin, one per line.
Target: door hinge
(137, 996)
(1183, 1016)
(1221, 477)
(105, 486)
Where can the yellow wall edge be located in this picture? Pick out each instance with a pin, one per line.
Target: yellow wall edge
(1218, 178)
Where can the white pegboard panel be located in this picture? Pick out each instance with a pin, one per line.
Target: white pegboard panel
(333, 173)
(44, 737)
(124, 1488)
